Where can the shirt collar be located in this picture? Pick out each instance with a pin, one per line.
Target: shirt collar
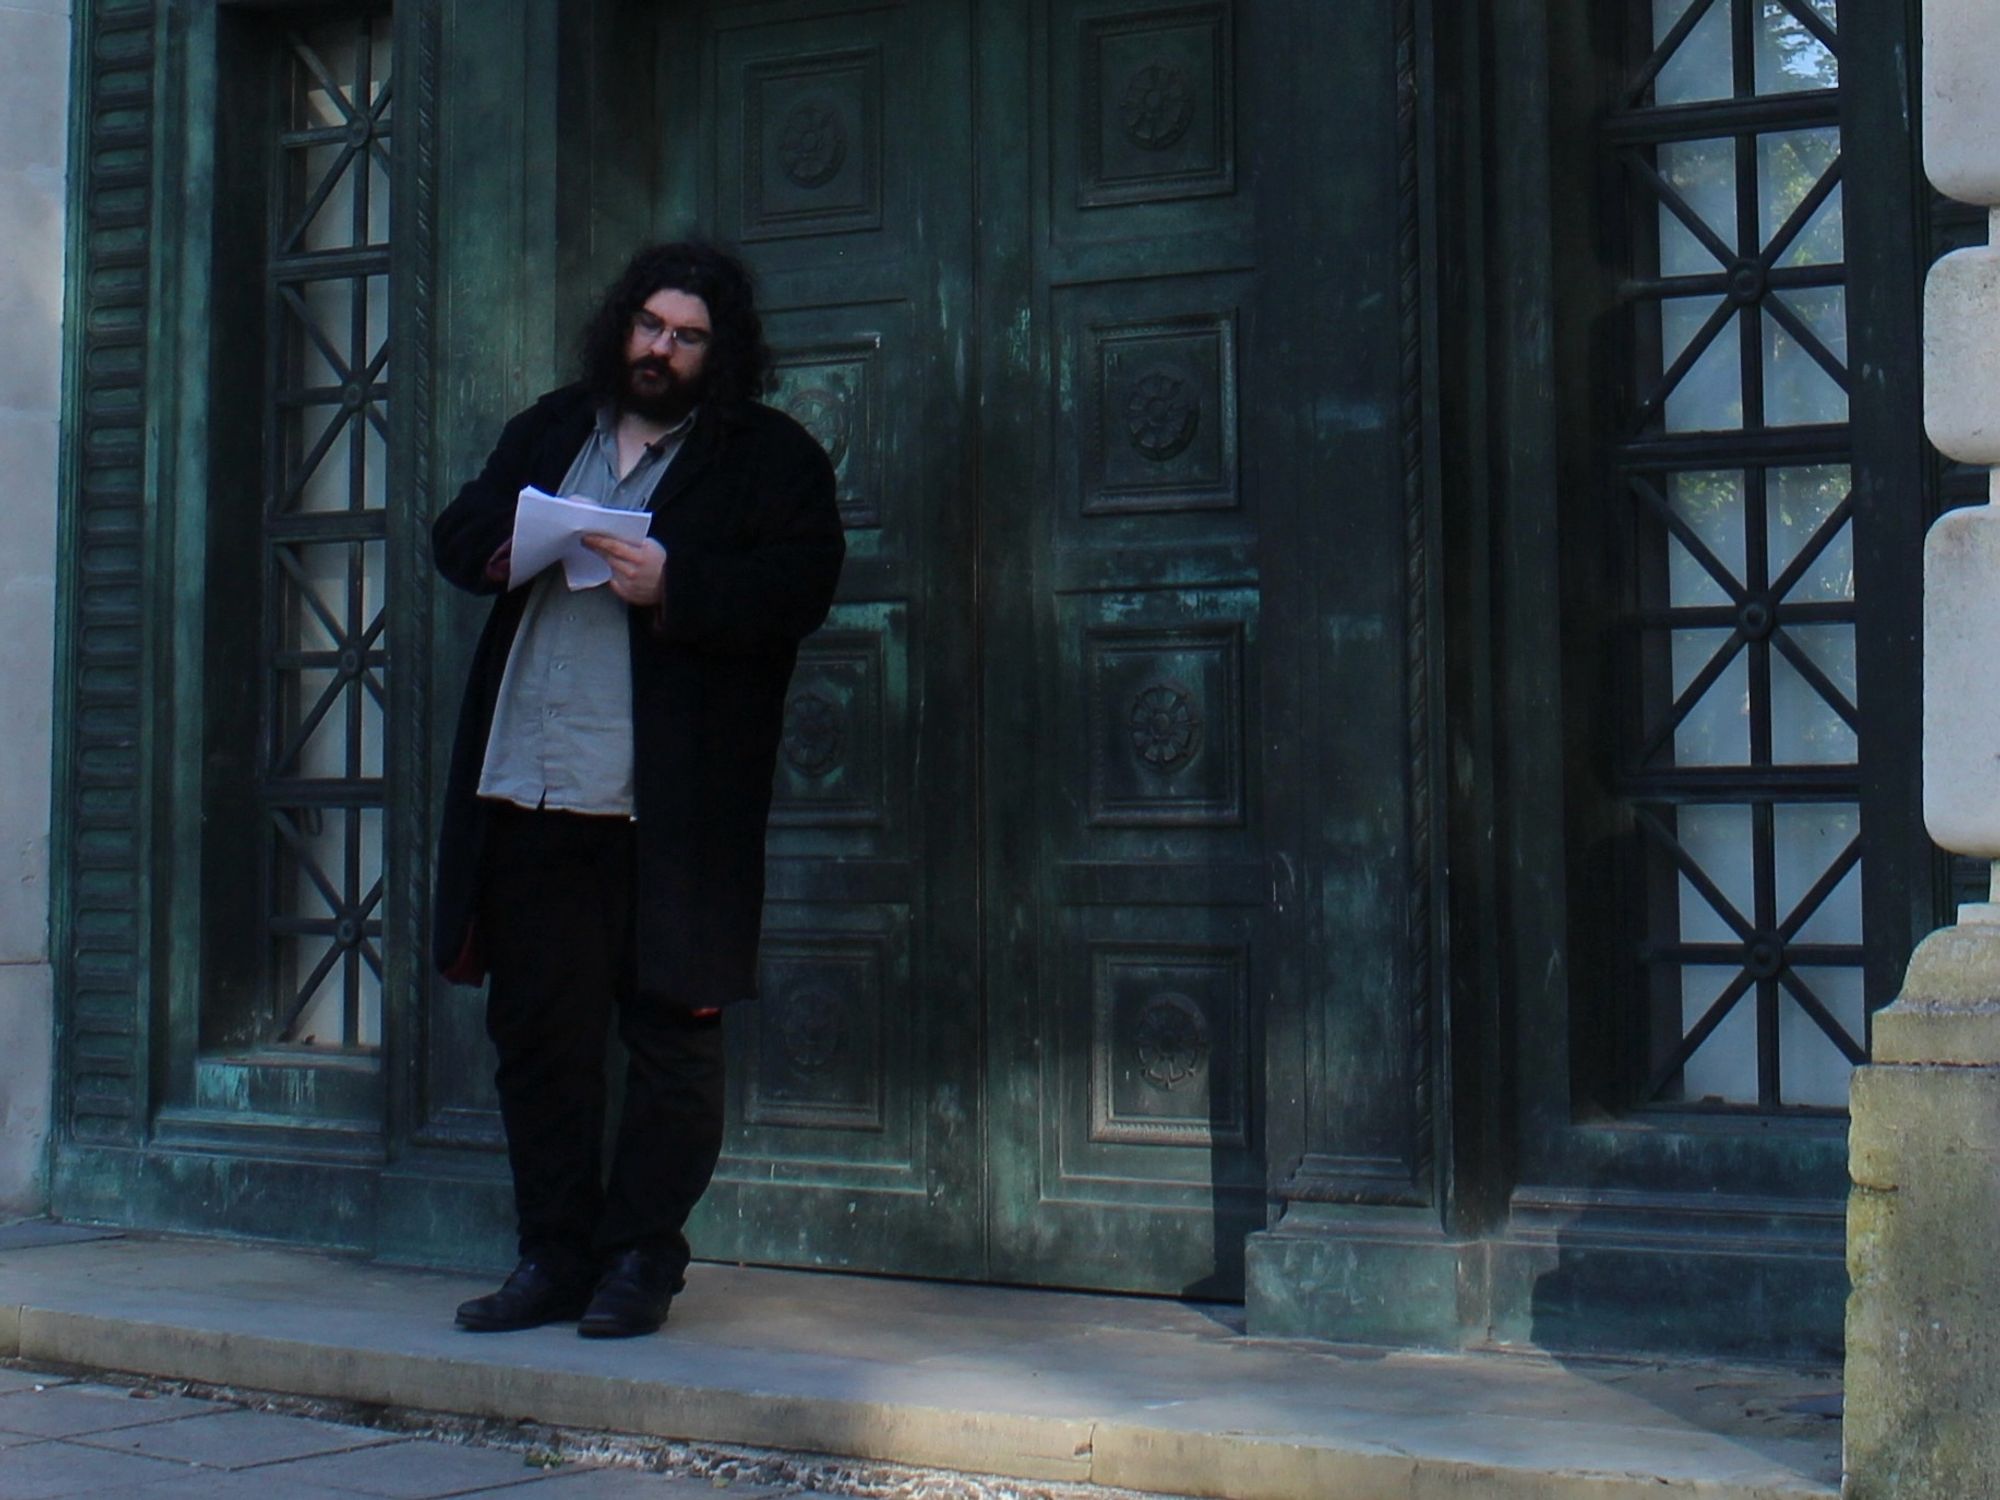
(607, 428)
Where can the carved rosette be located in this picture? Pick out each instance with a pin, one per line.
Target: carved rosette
(1162, 413)
(1172, 1041)
(815, 734)
(826, 413)
(814, 145)
(812, 1029)
(1158, 107)
(1166, 727)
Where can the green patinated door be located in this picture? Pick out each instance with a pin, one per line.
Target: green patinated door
(1019, 875)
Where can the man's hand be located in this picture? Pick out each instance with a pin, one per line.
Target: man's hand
(500, 566)
(638, 569)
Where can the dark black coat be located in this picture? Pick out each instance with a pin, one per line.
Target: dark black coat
(754, 547)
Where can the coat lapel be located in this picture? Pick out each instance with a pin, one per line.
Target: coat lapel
(696, 454)
(559, 449)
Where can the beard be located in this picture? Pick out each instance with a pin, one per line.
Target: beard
(653, 391)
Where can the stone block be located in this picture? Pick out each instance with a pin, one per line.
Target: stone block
(1949, 1010)
(1961, 99)
(1923, 1321)
(27, 1031)
(1962, 355)
(1961, 713)
(34, 107)
(27, 675)
(31, 288)
(1309, 1280)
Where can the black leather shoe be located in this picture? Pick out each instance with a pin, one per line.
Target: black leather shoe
(632, 1298)
(534, 1294)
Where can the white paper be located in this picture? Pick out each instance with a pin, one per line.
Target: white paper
(550, 530)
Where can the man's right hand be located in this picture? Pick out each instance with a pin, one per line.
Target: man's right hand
(501, 563)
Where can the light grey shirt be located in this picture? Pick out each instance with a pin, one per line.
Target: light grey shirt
(562, 728)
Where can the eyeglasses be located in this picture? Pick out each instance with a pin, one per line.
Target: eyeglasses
(652, 330)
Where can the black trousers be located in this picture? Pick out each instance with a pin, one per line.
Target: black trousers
(556, 921)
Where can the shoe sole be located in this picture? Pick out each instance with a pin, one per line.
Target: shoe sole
(490, 1325)
(590, 1330)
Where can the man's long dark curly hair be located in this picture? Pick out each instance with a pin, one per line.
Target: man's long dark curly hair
(738, 367)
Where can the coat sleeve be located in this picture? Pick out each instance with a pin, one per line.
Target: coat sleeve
(779, 589)
(469, 530)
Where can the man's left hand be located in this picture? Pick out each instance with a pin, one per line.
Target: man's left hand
(638, 569)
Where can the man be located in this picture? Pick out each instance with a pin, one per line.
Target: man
(603, 838)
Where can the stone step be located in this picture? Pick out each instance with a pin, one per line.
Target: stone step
(1142, 1394)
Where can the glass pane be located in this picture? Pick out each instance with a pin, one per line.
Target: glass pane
(1710, 396)
(1718, 839)
(1805, 728)
(378, 198)
(1797, 504)
(1823, 239)
(317, 340)
(1711, 503)
(1789, 56)
(1701, 66)
(323, 182)
(323, 486)
(378, 66)
(302, 626)
(1797, 389)
(320, 1023)
(1811, 1069)
(1704, 174)
(375, 464)
(1806, 839)
(1790, 164)
(1716, 731)
(1723, 1069)
(325, 56)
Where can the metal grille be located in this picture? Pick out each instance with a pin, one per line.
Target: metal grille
(325, 527)
(1738, 761)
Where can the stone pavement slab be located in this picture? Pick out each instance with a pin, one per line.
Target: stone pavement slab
(1146, 1394)
(224, 1452)
(194, 1483)
(66, 1410)
(44, 1470)
(413, 1470)
(237, 1439)
(629, 1484)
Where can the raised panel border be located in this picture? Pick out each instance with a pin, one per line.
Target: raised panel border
(1170, 722)
(1098, 186)
(811, 1023)
(1175, 1027)
(872, 1143)
(843, 412)
(1160, 429)
(822, 147)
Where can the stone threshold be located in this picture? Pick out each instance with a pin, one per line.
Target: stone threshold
(1139, 1394)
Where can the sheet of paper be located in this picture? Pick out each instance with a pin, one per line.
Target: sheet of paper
(549, 529)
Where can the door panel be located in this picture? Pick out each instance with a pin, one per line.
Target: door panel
(1125, 1043)
(1013, 956)
(837, 158)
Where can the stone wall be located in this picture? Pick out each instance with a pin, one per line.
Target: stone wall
(34, 119)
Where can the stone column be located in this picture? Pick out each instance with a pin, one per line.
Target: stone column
(34, 119)
(1923, 1220)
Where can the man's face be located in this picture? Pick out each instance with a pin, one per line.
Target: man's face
(665, 352)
